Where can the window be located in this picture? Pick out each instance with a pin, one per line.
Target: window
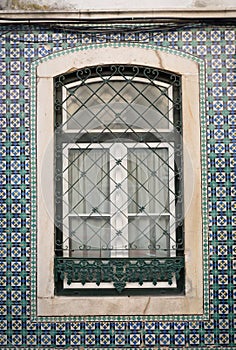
(118, 191)
(173, 143)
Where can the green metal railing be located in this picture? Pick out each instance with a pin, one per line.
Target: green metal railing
(119, 272)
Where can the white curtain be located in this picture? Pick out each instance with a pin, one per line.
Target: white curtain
(89, 237)
(89, 193)
(148, 195)
(148, 180)
(89, 181)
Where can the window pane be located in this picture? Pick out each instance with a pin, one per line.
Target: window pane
(89, 237)
(117, 104)
(148, 180)
(149, 236)
(88, 181)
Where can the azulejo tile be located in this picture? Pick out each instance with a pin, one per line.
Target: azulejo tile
(165, 339)
(90, 339)
(201, 35)
(224, 339)
(149, 339)
(144, 37)
(115, 37)
(194, 339)
(105, 326)
(179, 339)
(149, 325)
(3, 325)
(120, 325)
(60, 340)
(3, 340)
(90, 325)
(135, 339)
(46, 340)
(158, 37)
(165, 325)
(105, 339)
(135, 326)
(17, 340)
(76, 339)
(179, 325)
(129, 36)
(74, 326)
(86, 38)
(31, 340)
(60, 326)
(216, 35)
(120, 339)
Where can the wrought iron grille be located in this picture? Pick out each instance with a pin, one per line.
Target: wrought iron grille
(118, 176)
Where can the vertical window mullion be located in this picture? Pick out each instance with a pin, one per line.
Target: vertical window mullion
(119, 200)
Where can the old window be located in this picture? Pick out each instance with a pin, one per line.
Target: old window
(120, 155)
(118, 187)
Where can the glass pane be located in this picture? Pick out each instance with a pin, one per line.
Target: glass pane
(118, 104)
(88, 181)
(149, 236)
(89, 237)
(148, 180)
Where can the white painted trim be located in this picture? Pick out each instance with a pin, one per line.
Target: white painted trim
(11, 16)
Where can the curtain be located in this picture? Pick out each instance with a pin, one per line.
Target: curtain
(88, 194)
(89, 181)
(148, 189)
(148, 180)
(147, 201)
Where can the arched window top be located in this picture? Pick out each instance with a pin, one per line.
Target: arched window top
(118, 98)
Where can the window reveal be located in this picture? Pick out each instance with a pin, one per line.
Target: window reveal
(118, 171)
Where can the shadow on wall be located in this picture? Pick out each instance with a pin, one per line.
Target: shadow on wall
(24, 5)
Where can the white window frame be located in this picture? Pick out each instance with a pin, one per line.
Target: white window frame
(113, 182)
(48, 304)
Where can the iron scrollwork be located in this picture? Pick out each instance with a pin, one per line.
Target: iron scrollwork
(118, 271)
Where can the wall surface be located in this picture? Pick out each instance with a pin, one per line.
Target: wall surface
(20, 47)
(116, 4)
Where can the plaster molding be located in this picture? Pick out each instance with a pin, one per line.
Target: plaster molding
(28, 16)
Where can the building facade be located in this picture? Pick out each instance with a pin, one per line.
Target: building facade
(53, 66)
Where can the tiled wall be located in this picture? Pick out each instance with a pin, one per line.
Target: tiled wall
(19, 328)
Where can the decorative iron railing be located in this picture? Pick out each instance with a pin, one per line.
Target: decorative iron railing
(119, 272)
